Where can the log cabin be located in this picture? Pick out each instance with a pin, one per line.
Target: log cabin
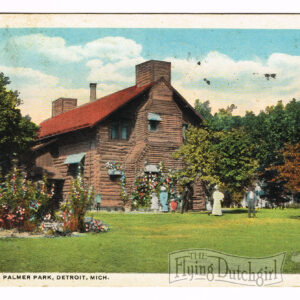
(137, 127)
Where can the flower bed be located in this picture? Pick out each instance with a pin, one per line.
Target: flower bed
(97, 226)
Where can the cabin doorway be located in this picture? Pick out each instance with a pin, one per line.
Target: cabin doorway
(58, 192)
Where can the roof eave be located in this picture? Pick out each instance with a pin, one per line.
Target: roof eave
(99, 121)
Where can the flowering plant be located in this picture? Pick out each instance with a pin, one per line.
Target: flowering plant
(112, 165)
(95, 226)
(148, 183)
(74, 208)
(22, 202)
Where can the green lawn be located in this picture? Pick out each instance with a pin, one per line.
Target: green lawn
(141, 242)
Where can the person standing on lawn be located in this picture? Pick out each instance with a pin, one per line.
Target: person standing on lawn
(251, 201)
(187, 195)
(98, 201)
(163, 197)
(217, 197)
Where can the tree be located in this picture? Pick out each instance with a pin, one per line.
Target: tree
(222, 120)
(269, 131)
(17, 133)
(265, 134)
(224, 158)
(204, 109)
(236, 165)
(289, 172)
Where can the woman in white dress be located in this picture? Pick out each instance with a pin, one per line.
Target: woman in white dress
(217, 197)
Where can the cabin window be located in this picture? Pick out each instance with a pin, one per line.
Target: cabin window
(74, 170)
(153, 121)
(114, 130)
(75, 164)
(153, 125)
(120, 130)
(184, 128)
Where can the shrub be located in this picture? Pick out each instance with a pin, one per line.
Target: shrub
(74, 208)
(23, 203)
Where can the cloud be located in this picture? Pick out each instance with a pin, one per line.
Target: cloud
(122, 71)
(240, 82)
(112, 48)
(56, 48)
(216, 65)
(52, 47)
(26, 77)
(110, 61)
(37, 101)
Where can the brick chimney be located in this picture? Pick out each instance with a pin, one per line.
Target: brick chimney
(93, 95)
(151, 71)
(62, 105)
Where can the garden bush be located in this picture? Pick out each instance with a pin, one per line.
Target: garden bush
(23, 203)
(74, 208)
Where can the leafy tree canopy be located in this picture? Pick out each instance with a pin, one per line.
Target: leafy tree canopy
(289, 171)
(218, 157)
(265, 134)
(16, 132)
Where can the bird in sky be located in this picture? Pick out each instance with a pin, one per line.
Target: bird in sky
(207, 81)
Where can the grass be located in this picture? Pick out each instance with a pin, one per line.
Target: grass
(141, 242)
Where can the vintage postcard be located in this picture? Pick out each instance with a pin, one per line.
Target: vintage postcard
(149, 150)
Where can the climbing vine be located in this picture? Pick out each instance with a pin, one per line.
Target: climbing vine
(148, 183)
(113, 166)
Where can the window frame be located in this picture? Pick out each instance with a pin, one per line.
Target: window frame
(153, 122)
(119, 126)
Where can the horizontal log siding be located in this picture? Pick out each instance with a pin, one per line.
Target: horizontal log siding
(132, 154)
(124, 152)
(75, 143)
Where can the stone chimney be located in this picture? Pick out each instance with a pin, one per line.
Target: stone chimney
(151, 71)
(62, 105)
(93, 96)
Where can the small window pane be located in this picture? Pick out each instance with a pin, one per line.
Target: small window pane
(125, 130)
(114, 130)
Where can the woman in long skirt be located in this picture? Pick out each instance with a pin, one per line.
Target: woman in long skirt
(217, 197)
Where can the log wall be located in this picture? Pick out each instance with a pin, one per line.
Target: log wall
(142, 146)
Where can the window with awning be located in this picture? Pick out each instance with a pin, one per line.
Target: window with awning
(153, 121)
(74, 161)
(74, 158)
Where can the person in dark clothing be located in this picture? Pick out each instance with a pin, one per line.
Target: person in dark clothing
(187, 195)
